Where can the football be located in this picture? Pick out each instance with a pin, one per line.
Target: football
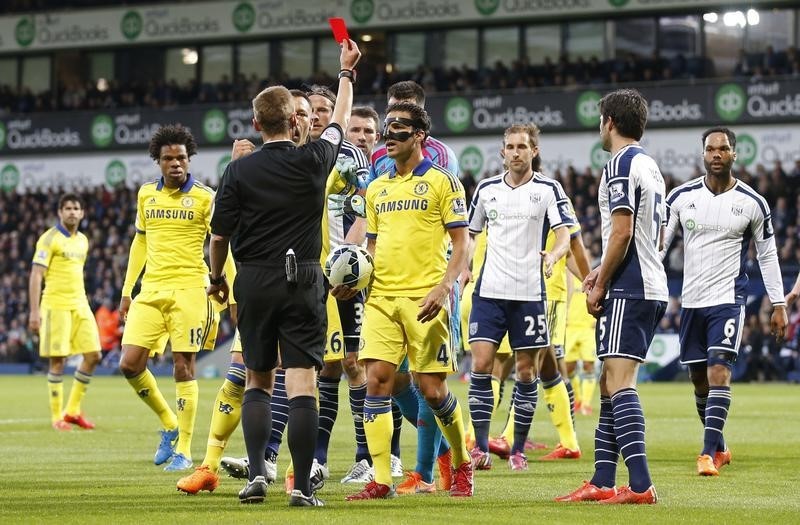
(350, 265)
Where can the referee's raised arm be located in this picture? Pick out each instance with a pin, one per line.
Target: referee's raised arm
(347, 76)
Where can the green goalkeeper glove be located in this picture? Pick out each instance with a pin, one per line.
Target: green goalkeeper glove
(348, 170)
(347, 205)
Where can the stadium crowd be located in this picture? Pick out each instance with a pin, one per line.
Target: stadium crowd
(109, 225)
(109, 219)
(520, 74)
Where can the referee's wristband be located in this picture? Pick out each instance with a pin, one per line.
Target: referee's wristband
(348, 73)
(216, 282)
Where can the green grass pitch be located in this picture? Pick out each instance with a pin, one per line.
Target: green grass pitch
(107, 475)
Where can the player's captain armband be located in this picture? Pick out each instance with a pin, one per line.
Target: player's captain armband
(332, 135)
(460, 206)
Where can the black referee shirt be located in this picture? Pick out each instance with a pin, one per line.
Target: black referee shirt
(273, 199)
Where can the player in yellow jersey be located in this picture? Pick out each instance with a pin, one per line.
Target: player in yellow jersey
(226, 411)
(411, 212)
(64, 320)
(172, 223)
(580, 346)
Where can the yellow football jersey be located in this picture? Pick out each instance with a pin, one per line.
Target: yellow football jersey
(408, 215)
(333, 229)
(63, 255)
(577, 315)
(175, 223)
(556, 284)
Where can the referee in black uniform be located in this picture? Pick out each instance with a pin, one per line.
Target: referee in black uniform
(269, 206)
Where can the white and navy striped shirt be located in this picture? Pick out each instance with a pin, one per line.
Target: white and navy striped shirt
(632, 181)
(717, 230)
(517, 221)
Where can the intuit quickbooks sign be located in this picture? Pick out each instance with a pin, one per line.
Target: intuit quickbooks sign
(54, 30)
(23, 135)
(495, 113)
(760, 102)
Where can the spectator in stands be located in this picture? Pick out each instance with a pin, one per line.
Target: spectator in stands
(742, 67)
(108, 323)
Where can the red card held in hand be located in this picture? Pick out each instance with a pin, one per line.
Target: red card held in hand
(339, 29)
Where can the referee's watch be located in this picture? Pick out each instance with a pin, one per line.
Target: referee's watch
(348, 73)
(218, 281)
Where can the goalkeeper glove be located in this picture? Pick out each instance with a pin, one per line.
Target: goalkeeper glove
(347, 205)
(348, 170)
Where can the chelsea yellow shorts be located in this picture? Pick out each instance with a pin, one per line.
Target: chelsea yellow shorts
(334, 342)
(391, 331)
(184, 317)
(466, 306)
(580, 345)
(343, 337)
(68, 332)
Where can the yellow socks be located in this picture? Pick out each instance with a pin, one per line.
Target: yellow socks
(55, 389)
(588, 384)
(146, 388)
(225, 417)
(76, 393)
(557, 399)
(378, 428)
(451, 423)
(186, 394)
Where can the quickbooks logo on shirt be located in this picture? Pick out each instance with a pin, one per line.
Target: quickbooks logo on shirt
(730, 102)
(9, 177)
(244, 16)
(115, 173)
(25, 31)
(458, 114)
(362, 10)
(471, 160)
(102, 131)
(587, 109)
(131, 25)
(487, 7)
(598, 156)
(214, 124)
(746, 149)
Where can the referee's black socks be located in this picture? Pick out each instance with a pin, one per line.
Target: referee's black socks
(256, 426)
(302, 437)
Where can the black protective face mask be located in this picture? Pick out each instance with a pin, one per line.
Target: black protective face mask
(398, 136)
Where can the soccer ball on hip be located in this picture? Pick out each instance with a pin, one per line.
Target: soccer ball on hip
(350, 265)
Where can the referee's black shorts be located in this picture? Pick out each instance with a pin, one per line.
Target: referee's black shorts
(274, 314)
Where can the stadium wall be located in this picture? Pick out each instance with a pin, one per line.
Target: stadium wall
(677, 152)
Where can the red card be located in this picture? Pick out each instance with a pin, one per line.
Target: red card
(339, 29)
